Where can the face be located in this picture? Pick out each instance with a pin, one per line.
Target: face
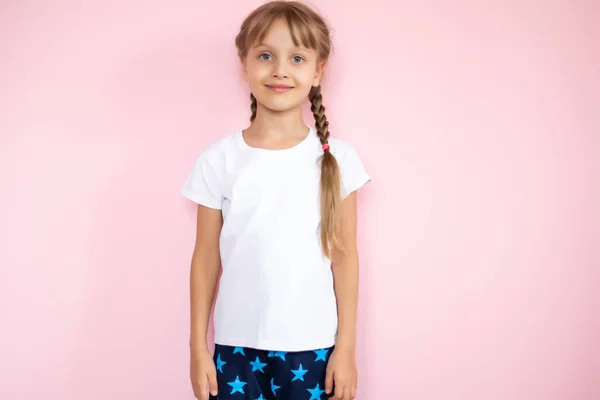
(279, 73)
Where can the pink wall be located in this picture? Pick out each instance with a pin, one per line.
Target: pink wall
(479, 233)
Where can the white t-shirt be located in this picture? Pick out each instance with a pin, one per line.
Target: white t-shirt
(276, 290)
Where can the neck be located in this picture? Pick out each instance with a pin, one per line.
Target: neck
(275, 124)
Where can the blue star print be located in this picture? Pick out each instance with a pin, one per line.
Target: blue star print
(321, 354)
(281, 354)
(299, 373)
(220, 363)
(274, 387)
(257, 365)
(271, 354)
(239, 350)
(315, 393)
(261, 398)
(237, 385)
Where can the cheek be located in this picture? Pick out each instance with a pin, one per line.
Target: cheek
(255, 77)
(258, 71)
(305, 76)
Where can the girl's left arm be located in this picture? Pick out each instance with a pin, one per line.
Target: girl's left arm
(342, 365)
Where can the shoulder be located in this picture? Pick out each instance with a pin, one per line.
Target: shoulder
(341, 149)
(203, 184)
(216, 151)
(353, 173)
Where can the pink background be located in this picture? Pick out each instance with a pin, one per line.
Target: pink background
(479, 235)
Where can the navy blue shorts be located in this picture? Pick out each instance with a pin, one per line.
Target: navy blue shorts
(248, 374)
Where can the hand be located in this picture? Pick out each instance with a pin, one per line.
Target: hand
(341, 370)
(203, 372)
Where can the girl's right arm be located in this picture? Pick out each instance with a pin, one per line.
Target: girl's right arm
(204, 273)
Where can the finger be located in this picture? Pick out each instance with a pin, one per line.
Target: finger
(347, 392)
(212, 383)
(339, 392)
(201, 392)
(203, 395)
(353, 392)
(328, 381)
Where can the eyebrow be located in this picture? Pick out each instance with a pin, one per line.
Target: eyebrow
(295, 47)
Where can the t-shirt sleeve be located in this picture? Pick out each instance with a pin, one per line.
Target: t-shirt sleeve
(353, 173)
(203, 184)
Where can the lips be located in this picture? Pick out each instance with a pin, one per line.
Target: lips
(279, 88)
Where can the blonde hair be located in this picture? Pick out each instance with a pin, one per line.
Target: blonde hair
(310, 30)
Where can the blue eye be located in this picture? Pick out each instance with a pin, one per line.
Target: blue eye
(298, 59)
(265, 56)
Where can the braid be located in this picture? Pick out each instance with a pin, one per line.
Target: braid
(253, 107)
(330, 178)
(318, 109)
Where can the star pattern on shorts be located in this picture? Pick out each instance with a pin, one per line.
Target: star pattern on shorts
(257, 365)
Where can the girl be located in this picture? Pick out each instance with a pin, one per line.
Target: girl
(277, 210)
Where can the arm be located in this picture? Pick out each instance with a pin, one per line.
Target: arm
(204, 274)
(342, 365)
(345, 275)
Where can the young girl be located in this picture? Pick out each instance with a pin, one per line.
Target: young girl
(277, 210)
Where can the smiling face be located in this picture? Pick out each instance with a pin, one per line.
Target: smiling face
(280, 73)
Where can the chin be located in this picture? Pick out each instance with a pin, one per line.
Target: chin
(281, 105)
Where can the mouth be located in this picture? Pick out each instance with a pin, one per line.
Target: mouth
(279, 88)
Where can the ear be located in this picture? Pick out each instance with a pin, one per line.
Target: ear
(319, 73)
(244, 70)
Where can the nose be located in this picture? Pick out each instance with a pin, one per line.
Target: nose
(280, 71)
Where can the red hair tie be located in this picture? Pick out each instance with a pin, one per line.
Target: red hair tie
(326, 147)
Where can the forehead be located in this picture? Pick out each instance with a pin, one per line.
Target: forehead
(281, 33)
